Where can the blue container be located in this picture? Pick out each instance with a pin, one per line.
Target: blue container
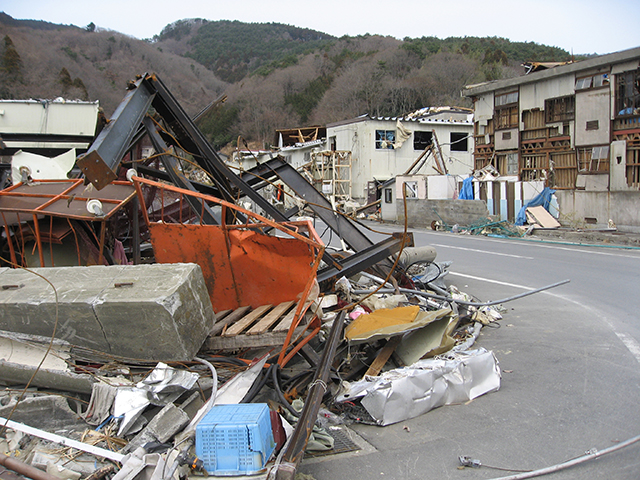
(235, 439)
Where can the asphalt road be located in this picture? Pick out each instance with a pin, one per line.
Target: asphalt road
(570, 370)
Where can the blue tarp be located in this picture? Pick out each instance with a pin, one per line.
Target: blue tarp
(467, 189)
(543, 198)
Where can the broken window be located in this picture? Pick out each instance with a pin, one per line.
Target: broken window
(422, 140)
(628, 93)
(385, 139)
(593, 159)
(459, 142)
(560, 109)
(512, 164)
(506, 110)
(592, 81)
(411, 189)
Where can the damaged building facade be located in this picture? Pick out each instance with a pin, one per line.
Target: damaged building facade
(383, 147)
(574, 128)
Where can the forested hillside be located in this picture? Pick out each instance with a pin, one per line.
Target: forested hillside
(274, 75)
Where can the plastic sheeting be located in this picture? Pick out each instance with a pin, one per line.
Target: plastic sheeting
(543, 198)
(404, 393)
(466, 192)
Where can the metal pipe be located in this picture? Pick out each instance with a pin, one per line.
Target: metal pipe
(571, 463)
(24, 469)
(463, 302)
(285, 468)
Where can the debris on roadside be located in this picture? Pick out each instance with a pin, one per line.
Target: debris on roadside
(146, 317)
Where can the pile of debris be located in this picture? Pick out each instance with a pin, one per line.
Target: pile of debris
(149, 321)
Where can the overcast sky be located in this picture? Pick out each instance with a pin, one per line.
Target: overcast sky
(586, 26)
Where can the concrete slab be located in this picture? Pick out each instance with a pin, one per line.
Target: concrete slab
(158, 312)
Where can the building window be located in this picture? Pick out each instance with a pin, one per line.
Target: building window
(512, 164)
(411, 189)
(388, 195)
(459, 142)
(593, 159)
(560, 109)
(592, 81)
(592, 125)
(506, 135)
(628, 93)
(422, 140)
(385, 139)
(506, 110)
(506, 99)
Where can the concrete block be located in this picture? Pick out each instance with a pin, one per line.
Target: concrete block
(158, 312)
(421, 213)
(50, 413)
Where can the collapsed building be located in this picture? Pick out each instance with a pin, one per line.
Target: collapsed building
(160, 286)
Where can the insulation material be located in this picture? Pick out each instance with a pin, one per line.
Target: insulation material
(408, 392)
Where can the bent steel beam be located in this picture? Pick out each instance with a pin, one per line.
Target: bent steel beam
(100, 162)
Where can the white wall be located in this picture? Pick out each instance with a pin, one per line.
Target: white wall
(369, 163)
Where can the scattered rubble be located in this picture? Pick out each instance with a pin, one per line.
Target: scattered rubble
(138, 305)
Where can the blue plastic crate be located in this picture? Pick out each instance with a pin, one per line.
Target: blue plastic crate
(235, 439)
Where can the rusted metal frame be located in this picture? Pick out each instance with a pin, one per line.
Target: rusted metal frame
(160, 175)
(75, 236)
(259, 218)
(300, 344)
(367, 258)
(207, 215)
(145, 213)
(100, 162)
(12, 251)
(54, 197)
(51, 239)
(285, 468)
(38, 239)
(300, 310)
(103, 232)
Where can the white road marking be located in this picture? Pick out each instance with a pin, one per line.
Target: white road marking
(481, 251)
(632, 345)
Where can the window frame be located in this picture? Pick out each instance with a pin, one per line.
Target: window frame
(463, 139)
(560, 109)
(417, 143)
(383, 136)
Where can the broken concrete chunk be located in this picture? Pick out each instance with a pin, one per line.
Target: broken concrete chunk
(51, 413)
(151, 312)
(169, 421)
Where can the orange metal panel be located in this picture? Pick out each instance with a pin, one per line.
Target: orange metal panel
(240, 267)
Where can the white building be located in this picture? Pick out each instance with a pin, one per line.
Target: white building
(436, 141)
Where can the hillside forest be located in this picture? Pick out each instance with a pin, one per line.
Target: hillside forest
(258, 77)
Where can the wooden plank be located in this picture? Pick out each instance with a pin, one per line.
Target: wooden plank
(267, 339)
(383, 356)
(286, 322)
(247, 320)
(269, 319)
(220, 315)
(236, 315)
(542, 217)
